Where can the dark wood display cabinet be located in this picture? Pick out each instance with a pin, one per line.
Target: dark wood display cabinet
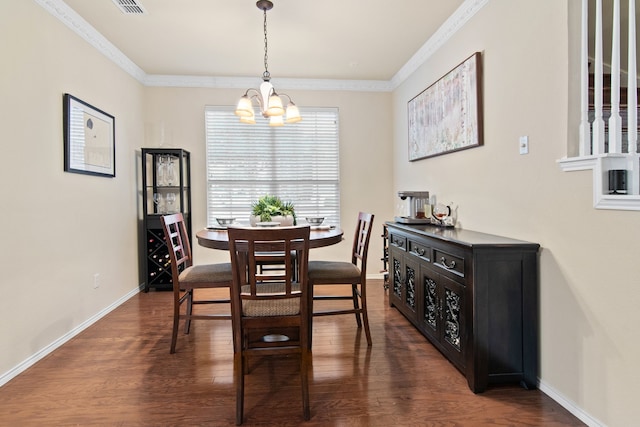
(166, 189)
(473, 295)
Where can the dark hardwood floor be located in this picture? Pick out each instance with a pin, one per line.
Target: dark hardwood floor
(119, 373)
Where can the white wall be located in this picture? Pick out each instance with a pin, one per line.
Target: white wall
(589, 269)
(59, 228)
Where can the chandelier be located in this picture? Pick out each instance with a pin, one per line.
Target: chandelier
(269, 102)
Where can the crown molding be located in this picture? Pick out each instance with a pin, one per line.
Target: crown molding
(282, 83)
(455, 22)
(80, 26)
(60, 10)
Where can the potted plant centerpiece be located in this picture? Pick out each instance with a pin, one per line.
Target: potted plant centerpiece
(272, 209)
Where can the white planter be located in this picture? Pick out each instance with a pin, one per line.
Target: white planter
(284, 221)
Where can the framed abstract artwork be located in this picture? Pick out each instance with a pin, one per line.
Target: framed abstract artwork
(447, 116)
(89, 139)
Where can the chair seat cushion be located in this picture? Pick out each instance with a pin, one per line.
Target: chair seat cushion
(333, 271)
(273, 306)
(207, 274)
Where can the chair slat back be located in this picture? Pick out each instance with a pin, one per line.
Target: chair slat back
(177, 239)
(361, 240)
(246, 244)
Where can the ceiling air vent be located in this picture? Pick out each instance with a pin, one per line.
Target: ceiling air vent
(130, 7)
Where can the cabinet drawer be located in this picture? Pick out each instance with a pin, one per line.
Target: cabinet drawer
(398, 241)
(449, 262)
(420, 250)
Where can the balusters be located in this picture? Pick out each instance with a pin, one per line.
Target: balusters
(592, 139)
(598, 121)
(632, 85)
(585, 130)
(615, 122)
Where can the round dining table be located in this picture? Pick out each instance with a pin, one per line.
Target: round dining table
(319, 237)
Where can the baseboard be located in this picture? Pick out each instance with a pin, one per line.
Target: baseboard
(30, 361)
(569, 405)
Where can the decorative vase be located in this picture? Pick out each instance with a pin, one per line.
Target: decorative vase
(284, 221)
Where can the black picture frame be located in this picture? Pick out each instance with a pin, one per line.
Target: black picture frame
(89, 138)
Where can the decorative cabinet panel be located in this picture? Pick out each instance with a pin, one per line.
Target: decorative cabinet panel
(474, 296)
(443, 315)
(166, 189)
(404, 275)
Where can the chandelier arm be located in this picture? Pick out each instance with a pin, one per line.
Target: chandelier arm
(258, 98)
(254, 94)
(250, 90)
(288, 97)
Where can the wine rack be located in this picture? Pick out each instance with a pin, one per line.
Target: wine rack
(158, 262)
(164, 191)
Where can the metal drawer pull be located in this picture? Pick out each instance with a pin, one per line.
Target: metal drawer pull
(398, 242)
(420, 251)
(452, 265)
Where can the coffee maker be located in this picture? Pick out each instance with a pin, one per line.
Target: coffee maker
(417, 202)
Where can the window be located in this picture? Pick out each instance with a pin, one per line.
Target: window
(298, 163)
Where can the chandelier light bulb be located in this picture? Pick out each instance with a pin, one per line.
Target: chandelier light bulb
(245, 107)
(293, 114)
(275, 107)
(276, 121)
(248, 119)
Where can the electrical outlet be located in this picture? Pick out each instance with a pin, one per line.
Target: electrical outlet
(96, 280)
(524, 145)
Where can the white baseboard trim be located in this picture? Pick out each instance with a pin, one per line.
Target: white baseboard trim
(569, 405)
(30, 361)
(375, 276)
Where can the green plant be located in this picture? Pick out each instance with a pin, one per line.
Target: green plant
(269, 206)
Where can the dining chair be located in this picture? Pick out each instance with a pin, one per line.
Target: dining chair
(270, 312)
(187, 277)
(352, 274)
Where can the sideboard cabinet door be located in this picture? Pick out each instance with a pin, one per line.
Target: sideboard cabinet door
(443, 316)
(404, 279)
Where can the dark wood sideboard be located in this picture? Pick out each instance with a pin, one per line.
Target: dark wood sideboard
(473, 295)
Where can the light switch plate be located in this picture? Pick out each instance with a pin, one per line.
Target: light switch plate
(524, 145)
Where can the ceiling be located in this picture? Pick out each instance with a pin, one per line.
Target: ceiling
(328, 39)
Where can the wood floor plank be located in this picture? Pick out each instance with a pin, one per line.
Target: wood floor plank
(119, 373)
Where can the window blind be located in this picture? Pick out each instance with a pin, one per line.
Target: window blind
(297, 162)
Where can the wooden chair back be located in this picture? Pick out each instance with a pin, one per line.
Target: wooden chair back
(177, 239)
(361, 241)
